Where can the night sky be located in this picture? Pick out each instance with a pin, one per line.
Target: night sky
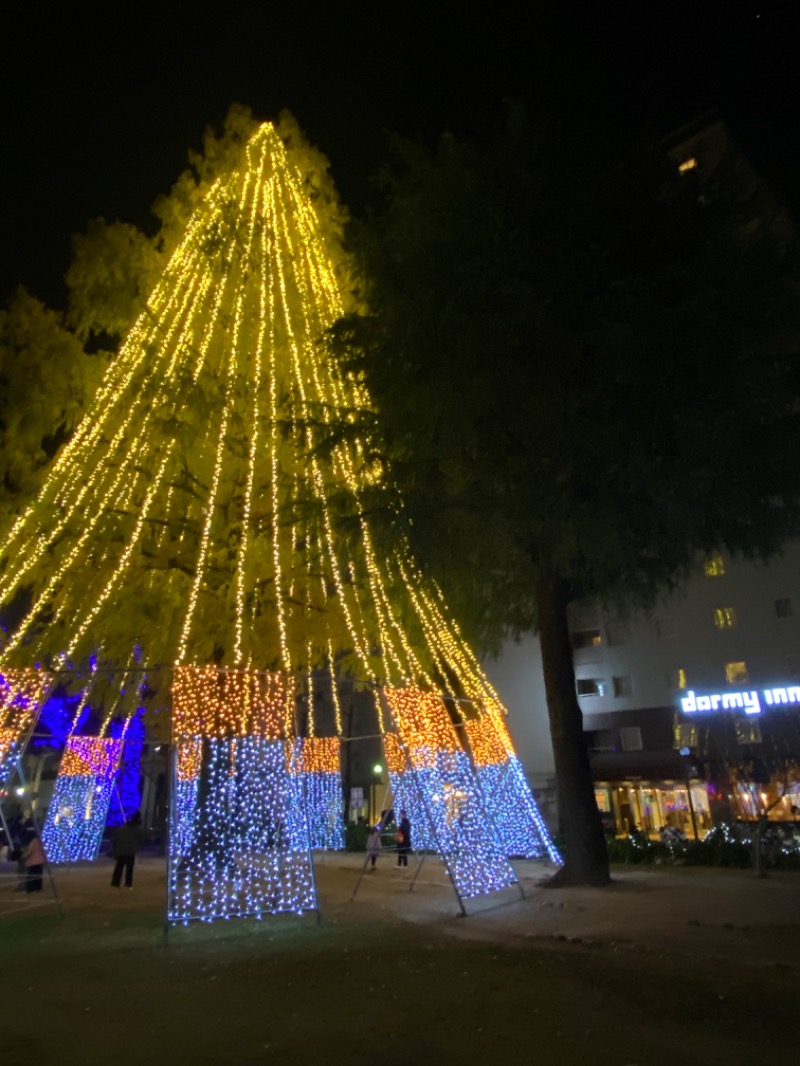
(99, 112)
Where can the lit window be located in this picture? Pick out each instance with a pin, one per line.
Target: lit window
(687, 164)
(630, 737)
(591, 686)
(725, 617)
(623, 685)
(714, 566)
(685, 735)
(587, 638)
(665, 627)
(676, 678)
(736, 673)
(747, 731)
(783, 608)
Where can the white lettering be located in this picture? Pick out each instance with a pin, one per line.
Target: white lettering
(688, 706)
(752, 703)
(749, 702)
(791, 694)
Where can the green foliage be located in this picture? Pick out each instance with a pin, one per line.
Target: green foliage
(355, 836)
(46, 381)
(135, 575)
(46, 375)
(113, 270)
(583, 365)
(717, 849)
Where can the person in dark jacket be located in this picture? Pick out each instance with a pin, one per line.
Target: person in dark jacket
(127, 841)
(23, 830)
(403, 839)
(34, 864)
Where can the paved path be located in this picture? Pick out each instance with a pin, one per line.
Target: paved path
(729, 914)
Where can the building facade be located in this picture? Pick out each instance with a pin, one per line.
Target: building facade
(691, 711)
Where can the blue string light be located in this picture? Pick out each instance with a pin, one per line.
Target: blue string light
(463, 832)
(240, 839)
(406, 797)
(127, 795)
(514, 811)
(322, 794)
(77, 812)
(21, 696)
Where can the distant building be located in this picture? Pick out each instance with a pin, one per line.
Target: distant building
(713, 673)
(672, 737)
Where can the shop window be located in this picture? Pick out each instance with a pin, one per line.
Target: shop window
(747, 731)
(676, 678)
(630, 738)
(725, 617)
(736, 673)
(603, 800)
(714, 566)
(623, 685)
(665, 627)
(591, 686)
(587, 638)
(684, 735)
(783, 607)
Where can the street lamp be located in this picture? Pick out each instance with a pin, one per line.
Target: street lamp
(377, 771)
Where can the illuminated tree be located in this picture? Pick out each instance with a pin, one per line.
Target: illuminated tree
(187, 523)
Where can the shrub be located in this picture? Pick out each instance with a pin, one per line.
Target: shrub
(355, 837)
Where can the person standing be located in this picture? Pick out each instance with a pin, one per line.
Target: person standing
(127, 841)
(23, 830)
(34, 864)
(374, 845)
(403, 839)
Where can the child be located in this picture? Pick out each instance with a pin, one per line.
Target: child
(373, 845)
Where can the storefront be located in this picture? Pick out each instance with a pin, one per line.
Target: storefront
(716, 757)
(654, 806)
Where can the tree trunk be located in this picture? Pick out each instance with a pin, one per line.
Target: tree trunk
(586, 857)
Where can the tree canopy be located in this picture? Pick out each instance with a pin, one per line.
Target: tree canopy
(46, 380)
(584, 365)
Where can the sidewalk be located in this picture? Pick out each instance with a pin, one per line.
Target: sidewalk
(730, 914)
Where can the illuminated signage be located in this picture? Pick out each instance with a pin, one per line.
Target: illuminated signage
(750, 701)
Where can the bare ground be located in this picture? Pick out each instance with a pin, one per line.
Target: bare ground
(662, 966)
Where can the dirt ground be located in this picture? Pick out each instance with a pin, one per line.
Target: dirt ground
(663, 966)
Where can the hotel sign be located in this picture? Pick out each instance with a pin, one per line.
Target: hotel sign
(750, 701)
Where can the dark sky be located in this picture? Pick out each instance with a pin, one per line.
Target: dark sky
(100, 110)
